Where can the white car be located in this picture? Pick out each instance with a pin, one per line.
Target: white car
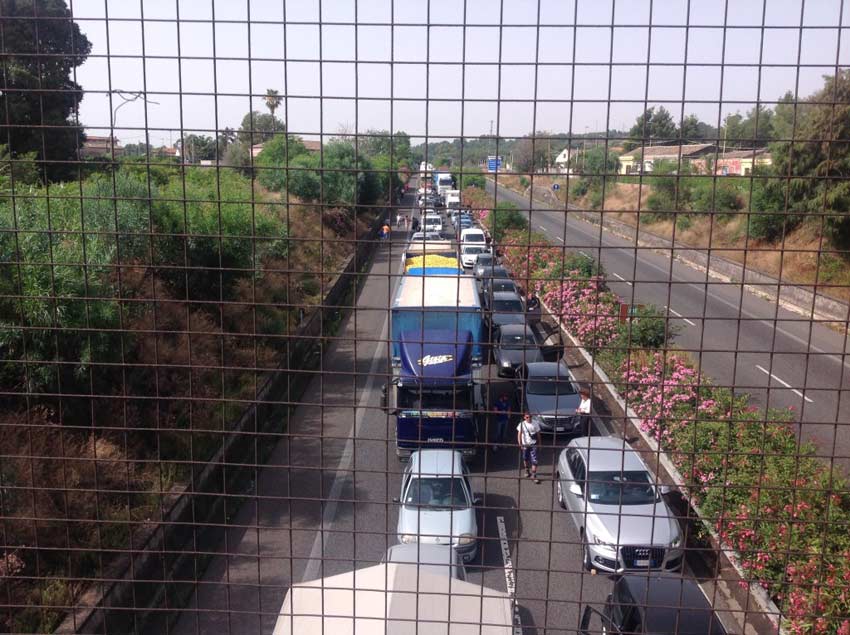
(437, 503)
(469, 254)
(425, 236)
(473, 236)
(433, 223)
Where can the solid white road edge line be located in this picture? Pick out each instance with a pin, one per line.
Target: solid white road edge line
(784, 383)
(510, 578)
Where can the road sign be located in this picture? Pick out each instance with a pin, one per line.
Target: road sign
(493, 163)
(556, 186)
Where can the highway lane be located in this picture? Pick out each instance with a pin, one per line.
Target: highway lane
(728, 329)
(323, 502)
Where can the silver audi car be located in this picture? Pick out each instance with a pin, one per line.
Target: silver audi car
(624, 522)
(437, 503)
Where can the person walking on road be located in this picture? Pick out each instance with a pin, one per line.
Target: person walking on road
(502, 407)
(528, 438)
(385, 231)
(398, 219)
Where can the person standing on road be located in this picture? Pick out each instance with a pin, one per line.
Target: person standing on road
(502, 407)
(528, 438)
(398, 218)
(385, 231)
(583, 409)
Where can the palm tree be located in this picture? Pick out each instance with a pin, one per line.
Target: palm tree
(273, 100)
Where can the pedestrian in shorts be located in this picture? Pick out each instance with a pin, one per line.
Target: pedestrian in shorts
(528, 438)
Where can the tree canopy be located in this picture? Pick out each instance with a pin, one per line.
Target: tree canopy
(38, 87)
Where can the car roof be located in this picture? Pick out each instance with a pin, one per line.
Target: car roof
(516, 329)
(661, 595)
(491, 282)
(506, 295)
(548, 369)
(608, 454)
(436, 463)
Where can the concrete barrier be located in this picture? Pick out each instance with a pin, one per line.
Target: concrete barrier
(156, 574)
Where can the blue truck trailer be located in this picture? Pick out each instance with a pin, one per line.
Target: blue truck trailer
(436, 349)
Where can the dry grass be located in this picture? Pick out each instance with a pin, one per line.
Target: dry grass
(805, 257)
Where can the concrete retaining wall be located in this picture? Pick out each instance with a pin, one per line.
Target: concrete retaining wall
(194, 515)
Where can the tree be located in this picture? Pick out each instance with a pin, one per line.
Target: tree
(195, 148)
(273, 100)
(783, 117)
(820, 155)
(753, 130)
(40, 56)
(259, 127)
(693, 130)
(272, 162)
(137, 149)
(531, 154)
(225, 138)
(652, 127)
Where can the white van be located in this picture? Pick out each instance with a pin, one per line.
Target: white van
(473, 236)
(433, 223)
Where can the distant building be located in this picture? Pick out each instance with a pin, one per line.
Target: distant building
(562, 161)
(95, 146)
(736, 162)
(643, 159)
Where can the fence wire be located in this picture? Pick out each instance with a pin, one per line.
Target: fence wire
(327, 316)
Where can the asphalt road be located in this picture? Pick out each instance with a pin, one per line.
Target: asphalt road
(323, 503)
(741, 340)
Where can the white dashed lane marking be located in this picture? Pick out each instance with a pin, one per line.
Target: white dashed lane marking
(784, 383)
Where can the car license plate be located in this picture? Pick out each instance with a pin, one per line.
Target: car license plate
(435, 440)
(560, 429)
(642, 562)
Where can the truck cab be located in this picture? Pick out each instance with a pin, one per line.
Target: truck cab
(433, 393)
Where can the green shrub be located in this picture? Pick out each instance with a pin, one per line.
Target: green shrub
(683, 222)
(271, 163)
(722, 194)
(504, 217)
(648, 329)
(579, 188)
(595, 199)
(523, 182)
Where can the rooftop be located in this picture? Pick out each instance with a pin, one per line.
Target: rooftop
(669, 151)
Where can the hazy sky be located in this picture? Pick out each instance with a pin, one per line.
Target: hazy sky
(376, 63)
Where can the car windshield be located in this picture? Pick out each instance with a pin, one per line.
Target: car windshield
(507, 306)
(620, 488)
(434, 491)
(414, 399)
(484, 260)
(550, 387)
(518, 341)
(473, 238)
(473, 250)
(502, 285)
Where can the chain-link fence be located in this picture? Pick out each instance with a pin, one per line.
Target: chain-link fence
(330, 316)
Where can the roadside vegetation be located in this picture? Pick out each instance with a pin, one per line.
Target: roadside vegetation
(145, 279)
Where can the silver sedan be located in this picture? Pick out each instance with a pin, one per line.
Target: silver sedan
(624, 522)
(437, 503)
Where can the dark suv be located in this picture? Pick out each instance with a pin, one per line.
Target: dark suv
(654, 604)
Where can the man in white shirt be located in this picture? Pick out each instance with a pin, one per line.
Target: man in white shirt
(583, 409)
(527, 438)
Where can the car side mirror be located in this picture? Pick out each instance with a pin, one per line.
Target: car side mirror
(396, 499)
(575, 488)
(665, 490)
(477, 499)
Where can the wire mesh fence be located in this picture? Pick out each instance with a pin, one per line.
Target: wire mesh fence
(491, 317)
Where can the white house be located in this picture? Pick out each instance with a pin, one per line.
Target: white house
(562, 161)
